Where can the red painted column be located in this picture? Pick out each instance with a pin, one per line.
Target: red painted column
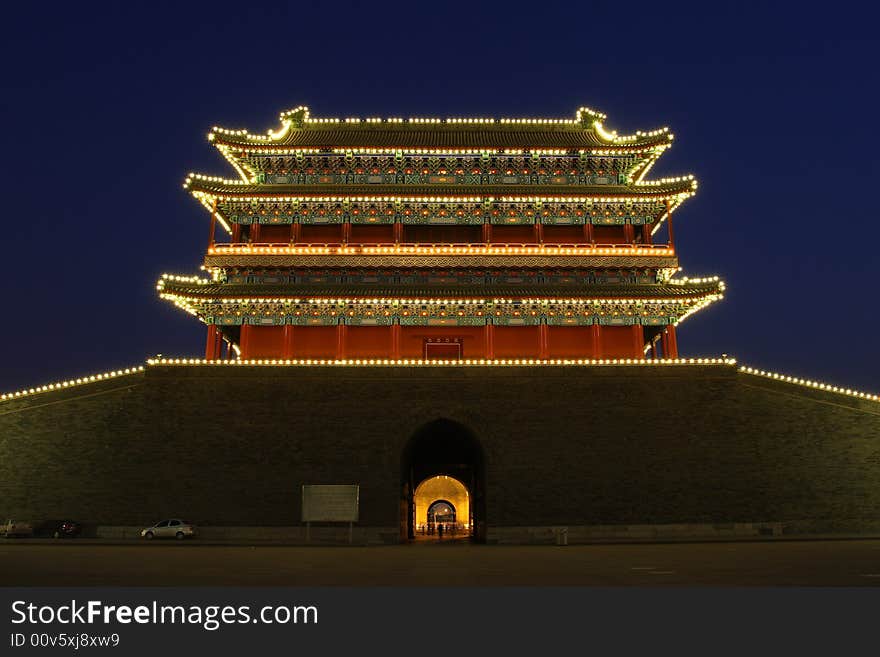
(243, 341)
(297, 233)
(629, 233)
(596, 340)
(487, 233)
(490, 341)
(346, 232)
(647, 238)
(638, 341)
(588, 233)
(664, 343)
(211, 343)
(544, 341)
(395, 338)
(539, 232)
(236, 233)
(255, 232)
(288, 341)
(673, 341)
(340, 341)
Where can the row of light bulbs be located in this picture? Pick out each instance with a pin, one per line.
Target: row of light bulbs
(675, 196)
(809, 384)
(61, 385)
(662, 250)
(72, 382)
(642, 149)
(303, 113)
(407, 362)
(448, 301)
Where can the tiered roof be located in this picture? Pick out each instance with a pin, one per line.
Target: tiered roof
(594, 171)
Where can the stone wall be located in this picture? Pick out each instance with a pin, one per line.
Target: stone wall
(564, 446)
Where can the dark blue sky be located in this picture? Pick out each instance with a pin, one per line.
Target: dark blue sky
(105, 110)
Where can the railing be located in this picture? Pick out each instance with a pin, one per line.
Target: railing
(422, 248)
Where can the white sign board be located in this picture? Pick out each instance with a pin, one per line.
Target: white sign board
(330, 503)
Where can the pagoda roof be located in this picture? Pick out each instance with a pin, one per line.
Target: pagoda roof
(300, 130)
(670, 289)
(237, 189)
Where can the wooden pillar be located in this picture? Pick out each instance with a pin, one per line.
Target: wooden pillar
(213, 224)
(288, 341)
(395, 339)
(647, 238)
(487, 233)
(236, 233)
(638, 336)
(664, 343)
(672, 340)
(588, 233)
(398, 232)
(341, 330)
(346, 232)
(255, 233)
(629, 234)
(211, 343)
(544, 341)
(489, 339)
(243, 341)
(539, 232)
(596, 340)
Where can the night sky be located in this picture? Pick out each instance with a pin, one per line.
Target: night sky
(105, 109)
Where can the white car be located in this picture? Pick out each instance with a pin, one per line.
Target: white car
(174, 528)
(17, 528)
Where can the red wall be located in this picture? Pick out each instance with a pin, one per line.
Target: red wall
(264, 342)
(443, 234)
(571, 342)
(608, 235)
(321, 234)
(412, 339)
(275, 234)
(509, 341)
(371, 234)
(517, 234)
(517, 342)
(620, 342)
(564, 234)
(368, 342)
(314, 342)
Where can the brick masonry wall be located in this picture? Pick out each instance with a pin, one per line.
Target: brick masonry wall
(564, 445)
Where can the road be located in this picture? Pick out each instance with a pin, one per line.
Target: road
(768, 563)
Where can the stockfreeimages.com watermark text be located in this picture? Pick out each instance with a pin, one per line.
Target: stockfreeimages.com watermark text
(208, 617)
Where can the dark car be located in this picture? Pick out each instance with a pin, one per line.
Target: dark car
(59, 529)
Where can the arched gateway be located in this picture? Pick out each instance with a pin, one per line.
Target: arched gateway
(443, 455)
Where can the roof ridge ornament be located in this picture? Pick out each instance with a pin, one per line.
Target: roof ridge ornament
(297, 116)
(588, 117)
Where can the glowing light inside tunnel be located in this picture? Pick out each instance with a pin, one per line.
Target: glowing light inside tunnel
(442, 487)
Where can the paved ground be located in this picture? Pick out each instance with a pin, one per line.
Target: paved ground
(776, 563)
